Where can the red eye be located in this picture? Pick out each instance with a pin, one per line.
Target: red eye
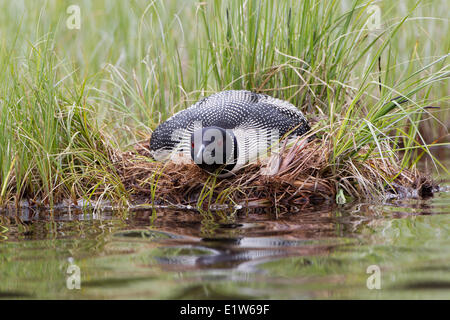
(192, 144)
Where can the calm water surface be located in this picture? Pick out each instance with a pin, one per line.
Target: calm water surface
(299, 254)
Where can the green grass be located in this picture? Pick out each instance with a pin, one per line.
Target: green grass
(69, 98)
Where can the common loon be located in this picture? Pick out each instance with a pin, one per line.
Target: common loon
(226, 130)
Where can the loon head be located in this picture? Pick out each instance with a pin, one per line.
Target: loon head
(214, 149)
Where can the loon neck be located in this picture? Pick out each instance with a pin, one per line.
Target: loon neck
(214, 149)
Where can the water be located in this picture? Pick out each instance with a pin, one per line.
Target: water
(300, 254)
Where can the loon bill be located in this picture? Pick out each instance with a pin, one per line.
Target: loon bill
(223, 132)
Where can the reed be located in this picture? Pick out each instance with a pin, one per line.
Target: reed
(75, 102)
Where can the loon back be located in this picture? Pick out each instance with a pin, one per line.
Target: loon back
(246, 113)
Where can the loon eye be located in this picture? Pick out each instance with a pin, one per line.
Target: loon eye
(192, 144)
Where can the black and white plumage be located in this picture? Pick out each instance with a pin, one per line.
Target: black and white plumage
(254, 121)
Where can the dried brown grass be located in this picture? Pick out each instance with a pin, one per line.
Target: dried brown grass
(303, 176)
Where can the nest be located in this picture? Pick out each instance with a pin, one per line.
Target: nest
(299, 175)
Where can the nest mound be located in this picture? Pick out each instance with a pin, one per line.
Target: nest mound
(299, 175)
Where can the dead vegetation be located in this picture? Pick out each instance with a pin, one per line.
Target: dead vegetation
(303, 175)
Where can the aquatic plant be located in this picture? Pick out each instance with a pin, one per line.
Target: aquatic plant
(74, 102)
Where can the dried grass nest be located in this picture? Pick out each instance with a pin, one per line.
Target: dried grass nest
(304, 176)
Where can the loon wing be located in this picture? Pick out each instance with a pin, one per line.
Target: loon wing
(230, 110)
